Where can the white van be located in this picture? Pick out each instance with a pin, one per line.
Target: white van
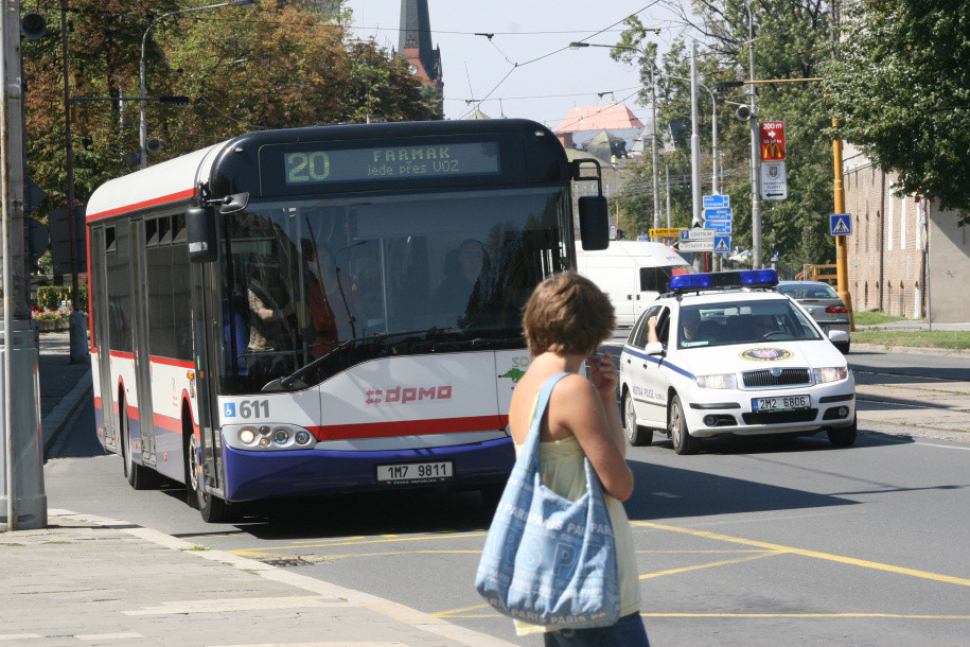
(633, 273)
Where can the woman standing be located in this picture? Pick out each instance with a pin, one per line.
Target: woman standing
(566, 319)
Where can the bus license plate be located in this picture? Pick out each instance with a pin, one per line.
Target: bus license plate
(410, 473)
(787, 403)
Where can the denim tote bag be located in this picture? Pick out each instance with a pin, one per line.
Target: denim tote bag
(548, 560)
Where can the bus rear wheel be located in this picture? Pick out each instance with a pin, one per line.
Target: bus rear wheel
(212, 508)
(139, 477)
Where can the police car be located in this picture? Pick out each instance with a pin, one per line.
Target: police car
(732, 356)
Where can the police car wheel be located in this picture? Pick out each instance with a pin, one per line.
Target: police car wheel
(683, 442)
(637, 435)
(844, 437)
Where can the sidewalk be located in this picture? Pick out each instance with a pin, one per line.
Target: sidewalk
(90, 580)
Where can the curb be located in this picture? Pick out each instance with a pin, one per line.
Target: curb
(55, 421)
(393, 610)
(926, 350)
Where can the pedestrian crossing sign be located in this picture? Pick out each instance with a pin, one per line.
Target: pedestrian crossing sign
(722, 244)
(840, 224)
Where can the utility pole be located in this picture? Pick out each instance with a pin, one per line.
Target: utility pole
(653, 146)
(841, 247)
(24, 504)
(755, 150)
(695, 155)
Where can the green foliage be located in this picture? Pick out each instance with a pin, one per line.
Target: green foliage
(51, 296)
(900, 91)
(874, 318)
(792, 40)
(271, 65)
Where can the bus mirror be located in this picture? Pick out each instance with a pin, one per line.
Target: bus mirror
(200, 225)
(235, 202)
(594, 223)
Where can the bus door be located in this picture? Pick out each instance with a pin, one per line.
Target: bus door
(207, 342)
(101, 326)
(142, 341)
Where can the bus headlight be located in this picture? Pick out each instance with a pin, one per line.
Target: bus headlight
(247, 435)
(281, 435)
(268, 437)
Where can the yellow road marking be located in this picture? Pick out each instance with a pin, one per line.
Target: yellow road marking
(255, 552)
(445, 614)
(889, 568)
(725, 562)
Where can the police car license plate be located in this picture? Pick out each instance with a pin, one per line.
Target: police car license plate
(408, 473)
(787, 403)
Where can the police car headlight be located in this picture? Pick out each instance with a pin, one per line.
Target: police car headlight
(717, 381)
(830, 374)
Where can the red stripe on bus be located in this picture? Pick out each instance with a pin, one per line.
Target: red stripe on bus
(168, 361)
(168, 424)
(154, 202)
(409, 428)
(122, 354)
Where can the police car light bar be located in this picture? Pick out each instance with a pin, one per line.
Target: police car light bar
(724, 280)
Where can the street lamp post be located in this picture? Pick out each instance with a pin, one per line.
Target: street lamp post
(142, 126)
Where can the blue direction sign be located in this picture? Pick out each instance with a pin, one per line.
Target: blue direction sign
(720, 226)
(722, 244)
(717, 201)
(721, 213)
(840, 224)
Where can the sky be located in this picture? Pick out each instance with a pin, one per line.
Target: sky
(526, 69)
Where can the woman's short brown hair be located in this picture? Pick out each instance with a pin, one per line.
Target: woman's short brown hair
(567, 314)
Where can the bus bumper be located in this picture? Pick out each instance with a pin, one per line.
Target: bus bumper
(264, 475)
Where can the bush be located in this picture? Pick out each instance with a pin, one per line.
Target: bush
(50, 296)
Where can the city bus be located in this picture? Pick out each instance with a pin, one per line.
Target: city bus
(328, 309)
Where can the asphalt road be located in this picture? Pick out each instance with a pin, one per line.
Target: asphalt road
(756, 542)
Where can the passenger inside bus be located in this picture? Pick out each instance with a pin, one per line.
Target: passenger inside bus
(272, 321)
(462, 269)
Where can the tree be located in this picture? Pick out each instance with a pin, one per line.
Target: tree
(272, 65)
(900, 91)
(792, 40)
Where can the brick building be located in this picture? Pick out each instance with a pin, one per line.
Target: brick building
(905, 256)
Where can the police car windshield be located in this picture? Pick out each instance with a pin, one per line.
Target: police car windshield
(742, 322)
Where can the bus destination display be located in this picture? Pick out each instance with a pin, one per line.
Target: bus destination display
(305, 167)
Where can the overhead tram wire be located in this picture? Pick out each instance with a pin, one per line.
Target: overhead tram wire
(556, 51)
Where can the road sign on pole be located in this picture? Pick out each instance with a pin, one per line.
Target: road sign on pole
(671, 232)
(717, 201)
(774, 181)
(722, 244)
(773, 141)
(695, 234)
(718, 214)
(840, 224)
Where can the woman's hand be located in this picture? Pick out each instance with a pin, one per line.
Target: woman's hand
(603, 375)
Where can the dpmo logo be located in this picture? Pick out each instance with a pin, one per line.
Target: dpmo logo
(408, 394)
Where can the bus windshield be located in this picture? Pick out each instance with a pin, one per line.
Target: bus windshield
(338, 281)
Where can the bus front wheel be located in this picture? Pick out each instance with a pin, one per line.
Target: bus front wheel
(212, 508)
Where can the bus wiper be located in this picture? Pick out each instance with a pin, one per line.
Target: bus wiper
(283, 383)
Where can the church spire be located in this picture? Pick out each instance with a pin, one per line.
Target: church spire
(415, 44)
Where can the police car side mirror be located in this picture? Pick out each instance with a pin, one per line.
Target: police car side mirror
(654, 348)
(838, 336)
